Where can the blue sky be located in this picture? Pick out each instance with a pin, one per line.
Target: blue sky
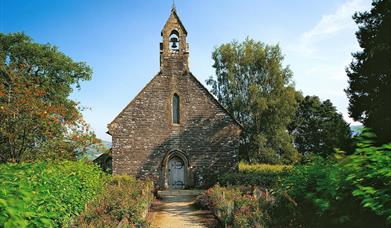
(120, 39)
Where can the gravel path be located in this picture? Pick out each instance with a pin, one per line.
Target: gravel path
(178, 211)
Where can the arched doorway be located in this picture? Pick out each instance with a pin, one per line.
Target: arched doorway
(176, 173)
(175, 167)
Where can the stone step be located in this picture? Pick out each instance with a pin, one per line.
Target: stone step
(180, 192)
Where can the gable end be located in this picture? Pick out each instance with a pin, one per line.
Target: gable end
(131, 103)
(216, 101)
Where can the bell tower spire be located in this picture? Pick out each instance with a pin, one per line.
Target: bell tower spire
(173, 4)
(174, 50)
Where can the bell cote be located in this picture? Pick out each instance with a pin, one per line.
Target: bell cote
(174, 50)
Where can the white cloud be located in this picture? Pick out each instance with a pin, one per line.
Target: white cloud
(332, 24)
(341, 19)
(321, 54)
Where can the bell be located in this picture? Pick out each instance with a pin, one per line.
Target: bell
(174, 42)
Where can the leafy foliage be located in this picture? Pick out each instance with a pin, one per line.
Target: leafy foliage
(124, 201)
(37, 117)
(353, 192)
(311, 197)
(370, 175)
(347, 191)
(264, 175)
(257, 89)
(46, 194)
(318, 128)
(369, 73)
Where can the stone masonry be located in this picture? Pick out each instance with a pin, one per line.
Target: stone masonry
(145, 138)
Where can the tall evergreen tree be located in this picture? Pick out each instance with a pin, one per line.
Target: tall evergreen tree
(369, 90)
(257, 89)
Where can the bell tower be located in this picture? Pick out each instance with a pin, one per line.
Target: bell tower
(174, 50)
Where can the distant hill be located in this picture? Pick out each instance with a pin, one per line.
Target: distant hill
(356, 129)
(92, 153)
(107, 144)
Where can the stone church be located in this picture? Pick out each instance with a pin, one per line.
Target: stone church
(174, 131)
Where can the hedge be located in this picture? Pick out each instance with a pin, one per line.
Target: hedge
(263, 175)
(46, 194)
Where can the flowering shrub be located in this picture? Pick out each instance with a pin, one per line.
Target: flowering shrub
(236, 206)
(124, 202)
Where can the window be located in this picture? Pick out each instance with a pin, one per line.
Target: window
(175, 109)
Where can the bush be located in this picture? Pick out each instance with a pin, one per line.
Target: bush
(369, 173)
(125, 201)
(353, 192)
(263, 175)
(261, 168)
(235, 206)
(312, 196)
(45, 193)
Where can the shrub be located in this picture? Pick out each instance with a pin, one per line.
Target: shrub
(235, 206)
(310, 197)
(125, 201)
(264, 175)
(369, 174)
(353, 192)
(46, 193)
(222, 202)
(260, 167)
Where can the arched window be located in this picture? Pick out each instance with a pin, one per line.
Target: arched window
(175, 109)
(174, 40)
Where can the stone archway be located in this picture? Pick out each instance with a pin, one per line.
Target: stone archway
(175, 167)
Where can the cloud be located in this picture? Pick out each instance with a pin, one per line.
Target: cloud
(341, 19)
(323, 51)
(332, 24)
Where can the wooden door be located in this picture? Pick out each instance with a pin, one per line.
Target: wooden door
(176, 173)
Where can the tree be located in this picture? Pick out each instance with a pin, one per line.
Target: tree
(319, 129)
(369, 90)
(254, 86)
(35, 111)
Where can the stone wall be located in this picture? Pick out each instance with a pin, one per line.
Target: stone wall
(144, 133)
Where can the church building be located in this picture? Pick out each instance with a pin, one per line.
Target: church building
(174, 131)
